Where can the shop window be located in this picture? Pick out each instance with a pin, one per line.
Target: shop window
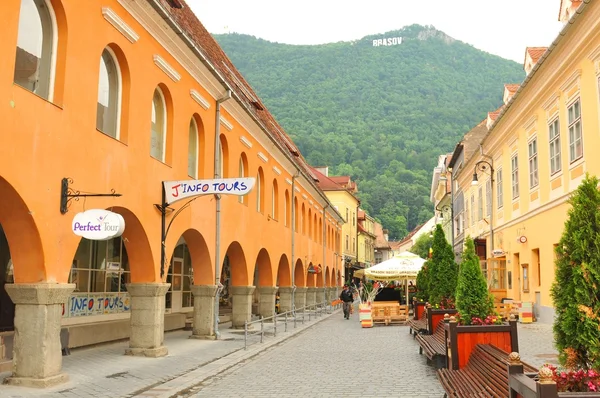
(496, 270)
(159, 125)
(100, 272)
(109, 93)
(35, 47)
(181, 278)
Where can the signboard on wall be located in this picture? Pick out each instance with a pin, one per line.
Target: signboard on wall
(88, 304)
(98, 224)
(178, 190)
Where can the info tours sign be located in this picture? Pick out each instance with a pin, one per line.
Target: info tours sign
(178, 190)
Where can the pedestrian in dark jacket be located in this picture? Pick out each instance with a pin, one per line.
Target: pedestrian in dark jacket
(346, 297)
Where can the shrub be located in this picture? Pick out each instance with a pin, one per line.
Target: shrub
(443, 273)
(473, 300)
(577, 281)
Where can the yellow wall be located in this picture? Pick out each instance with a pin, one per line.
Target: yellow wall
(50, 140)
(570, 72)
(346, 203)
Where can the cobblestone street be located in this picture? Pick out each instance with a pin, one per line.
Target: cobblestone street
(377, 362)
(354, 362)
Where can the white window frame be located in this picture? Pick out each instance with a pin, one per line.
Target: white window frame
(480, 204)
(532, 150)
(572, 126)
(164, 129)
(499, 188)
(53, 55)
(554, 147)
(472, 209)
(194, 175)
(514, 174)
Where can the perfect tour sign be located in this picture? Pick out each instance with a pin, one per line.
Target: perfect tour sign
(98, 224)
(178, 190)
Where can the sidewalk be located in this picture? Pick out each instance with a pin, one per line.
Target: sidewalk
(104, 371)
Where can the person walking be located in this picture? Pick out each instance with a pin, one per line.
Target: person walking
(347, 299)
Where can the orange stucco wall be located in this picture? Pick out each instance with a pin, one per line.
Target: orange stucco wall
(44, 142)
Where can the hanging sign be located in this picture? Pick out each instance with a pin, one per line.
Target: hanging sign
(98, 224)
(177, 190)
(314, 269)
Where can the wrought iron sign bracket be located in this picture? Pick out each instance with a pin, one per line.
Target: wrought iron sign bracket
(67, 194)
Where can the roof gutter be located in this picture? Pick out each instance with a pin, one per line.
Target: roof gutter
(173, 25)
(555, 43)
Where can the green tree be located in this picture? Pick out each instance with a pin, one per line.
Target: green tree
(443, 270)
(423, 283)
(576, 286)
(422, 245)
(472, 296)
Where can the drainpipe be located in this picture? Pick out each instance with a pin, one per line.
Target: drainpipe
(292, 260)
(217, 175)
(324, 251)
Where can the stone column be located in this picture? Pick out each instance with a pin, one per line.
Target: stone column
(320, 295)
(266, 304)
(331, 293)
(300, 297)
(311, 295)
(285, 298)
(204, 312)
(147, 320)
(241, 310)
(37, 356)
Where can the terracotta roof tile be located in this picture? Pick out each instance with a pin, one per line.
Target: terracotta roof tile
(380, 241)
(512, 88)
(536, 53)
(493, 115)
(186, 19)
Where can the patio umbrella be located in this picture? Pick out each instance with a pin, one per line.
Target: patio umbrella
(404, 266)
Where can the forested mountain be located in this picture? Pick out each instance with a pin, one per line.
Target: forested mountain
(381, 114)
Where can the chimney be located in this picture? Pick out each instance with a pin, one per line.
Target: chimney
(323, 170)
(386, 234)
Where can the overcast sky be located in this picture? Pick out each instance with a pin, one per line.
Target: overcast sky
(501, 27)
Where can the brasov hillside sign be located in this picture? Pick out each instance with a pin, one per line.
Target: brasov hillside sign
(178, 190)
(389, 41)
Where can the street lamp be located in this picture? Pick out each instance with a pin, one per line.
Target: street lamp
(446, 209)
(486, 167)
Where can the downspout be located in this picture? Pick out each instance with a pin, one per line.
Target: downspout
(292, 260)
(325, 251)
(217, 174)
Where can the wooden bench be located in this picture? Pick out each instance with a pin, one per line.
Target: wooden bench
(418, 326)
(434, 346)
(396, 314)
(486, 374)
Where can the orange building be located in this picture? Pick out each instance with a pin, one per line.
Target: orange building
(102, 97)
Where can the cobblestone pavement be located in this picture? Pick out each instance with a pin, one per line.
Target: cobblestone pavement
(324, 359)
(382, 361)
(536, 344)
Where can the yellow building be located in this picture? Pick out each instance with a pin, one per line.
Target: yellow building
(536, 152)
(341, 192)
(366, 239)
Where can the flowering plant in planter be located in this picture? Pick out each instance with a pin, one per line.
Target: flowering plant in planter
(575, 380)
(488, 320)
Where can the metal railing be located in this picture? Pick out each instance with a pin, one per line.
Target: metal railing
(270, 324)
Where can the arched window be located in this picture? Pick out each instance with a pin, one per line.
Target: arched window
(296, 216)
(159, 125)
(242, 173)
(109, 95)
(260, 200)
(302, 220)
(310, 231)
(223, 157)
(36, 44)
(286, 209)
(275, 201)
(315, 226)
(193, 149)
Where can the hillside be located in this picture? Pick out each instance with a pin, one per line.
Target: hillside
(381, 114)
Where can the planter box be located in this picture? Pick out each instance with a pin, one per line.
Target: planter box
(418, 309)
(460, 340)
(434, 316)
